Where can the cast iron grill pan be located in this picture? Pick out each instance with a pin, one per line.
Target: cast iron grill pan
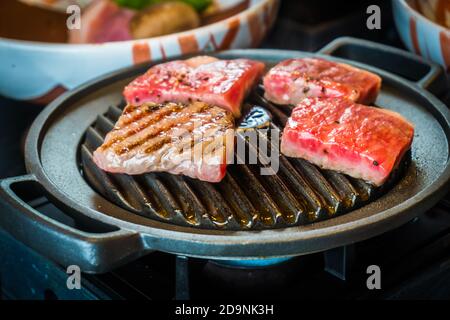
(299, 193)
(108, 228)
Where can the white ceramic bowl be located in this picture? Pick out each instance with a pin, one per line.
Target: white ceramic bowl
(421, 35)
(39, 72)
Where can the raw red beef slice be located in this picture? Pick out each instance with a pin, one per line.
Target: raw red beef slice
(290, 81)
(338, 134)
(223, 83)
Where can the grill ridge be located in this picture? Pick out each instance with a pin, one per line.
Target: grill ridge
(299, 193)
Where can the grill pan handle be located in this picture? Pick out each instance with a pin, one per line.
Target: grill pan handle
(92, 252)
(426, 74)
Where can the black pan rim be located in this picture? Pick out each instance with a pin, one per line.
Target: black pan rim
(368, 225)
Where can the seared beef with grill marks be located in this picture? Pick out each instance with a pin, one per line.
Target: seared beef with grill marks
(223, 83)
(290, 81)
(194, 139)
(338, 134)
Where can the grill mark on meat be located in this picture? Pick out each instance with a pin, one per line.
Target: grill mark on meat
(188, 139)
(129, 109)
(193, 142)
(197, 109)
(136, 113)
(158, 145)
(141, 111)
(158, 134)
(123, 130)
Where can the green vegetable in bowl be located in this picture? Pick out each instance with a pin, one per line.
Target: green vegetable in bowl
(164, 18)
(134, 4)
(198, 5)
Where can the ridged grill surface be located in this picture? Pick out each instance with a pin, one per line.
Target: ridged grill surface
(299, 193)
